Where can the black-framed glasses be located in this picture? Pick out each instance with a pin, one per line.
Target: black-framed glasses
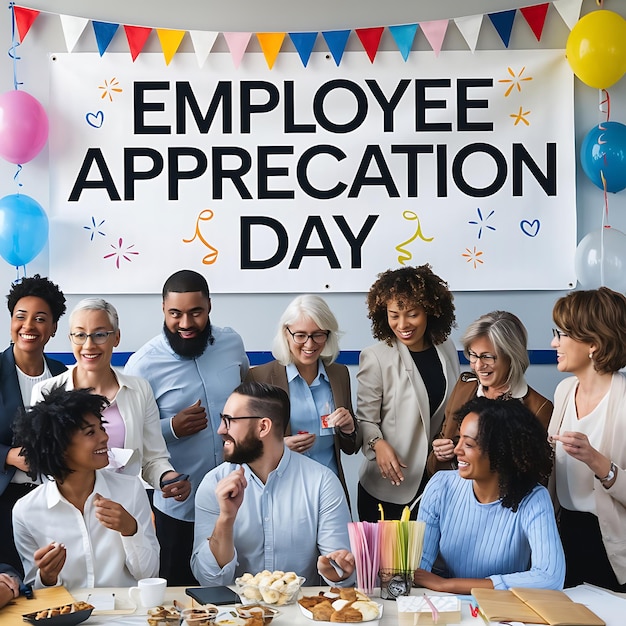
(99, 337)
(227, 419)
(558, 334)
(319, 336)
(487, 359)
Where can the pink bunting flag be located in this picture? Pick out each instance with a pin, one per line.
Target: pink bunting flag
(237, 44)
(136, 37)
(536, 17)
(434, 32)
(370, 38)
(24, 19)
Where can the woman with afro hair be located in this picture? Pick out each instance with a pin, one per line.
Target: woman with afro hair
(404, 382)
(491, 523)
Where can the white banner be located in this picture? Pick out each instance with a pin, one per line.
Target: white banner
(312, 179)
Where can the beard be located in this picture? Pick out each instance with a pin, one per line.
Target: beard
(247, 450)
(190, 348)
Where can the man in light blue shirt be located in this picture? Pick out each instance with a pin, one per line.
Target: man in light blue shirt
(192, 368)
(267, 507)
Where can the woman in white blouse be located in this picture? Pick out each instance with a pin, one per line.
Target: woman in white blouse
(588, 428)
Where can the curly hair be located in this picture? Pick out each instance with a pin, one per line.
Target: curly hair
(40, 288)
(516, 444)
(596, 316)
(45, 430)
(409, 287)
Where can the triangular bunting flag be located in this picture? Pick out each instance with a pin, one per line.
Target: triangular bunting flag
(403, 35)
(270, 45)
(469, 27)
(336, 41)
(203, 42)
(569, 10)
(237, 44)
(536, 17)
(73, 28)
(170, 41)
(24, 19)
(303, 43)
(503, 23)
(434, 32)
(136, 37)
(370, 38)
(104, 32)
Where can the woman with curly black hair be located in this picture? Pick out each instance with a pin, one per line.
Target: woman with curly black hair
(404, 382)
(491, 523)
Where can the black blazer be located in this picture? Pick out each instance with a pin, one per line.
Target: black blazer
(10, 403)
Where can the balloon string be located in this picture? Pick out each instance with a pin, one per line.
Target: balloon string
(17, 175)
(14, 45)
(604, 109)
(606, 201)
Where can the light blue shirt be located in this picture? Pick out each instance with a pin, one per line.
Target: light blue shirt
(521, 549)
(308, 404)
(285, 524)
(178, 382)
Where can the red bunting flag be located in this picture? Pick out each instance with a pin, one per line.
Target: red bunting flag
(137, 37)
(24, 19)
(370, 38)
(536, 17)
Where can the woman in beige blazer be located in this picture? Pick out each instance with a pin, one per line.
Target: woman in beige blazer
(322, 423)
(404, 382)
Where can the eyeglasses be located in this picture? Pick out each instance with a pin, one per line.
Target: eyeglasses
(558, 334)
(98, 337)
(318, 337)
(227, 419)
(487, 359)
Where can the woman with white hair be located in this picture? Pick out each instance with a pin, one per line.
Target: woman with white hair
(496, 346)
(321, 423)
(132, 420)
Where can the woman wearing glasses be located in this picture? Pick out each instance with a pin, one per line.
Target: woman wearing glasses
(321, 424)
(405, 381)
(132, 420)
(496, 347)
(588, 430)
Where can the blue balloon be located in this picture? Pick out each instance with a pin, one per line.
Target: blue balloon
(23, 229)
(604, 150)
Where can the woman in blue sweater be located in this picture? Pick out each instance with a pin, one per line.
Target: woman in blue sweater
(491, 523)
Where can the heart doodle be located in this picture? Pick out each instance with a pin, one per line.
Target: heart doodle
(95, 119)
(530, 228)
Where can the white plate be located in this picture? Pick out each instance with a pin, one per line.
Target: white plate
(309, 615)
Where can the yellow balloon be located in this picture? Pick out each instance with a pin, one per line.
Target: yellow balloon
(596, 48)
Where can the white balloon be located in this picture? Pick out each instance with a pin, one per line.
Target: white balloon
(600, 260)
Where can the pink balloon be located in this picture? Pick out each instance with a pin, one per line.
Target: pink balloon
(23, 126)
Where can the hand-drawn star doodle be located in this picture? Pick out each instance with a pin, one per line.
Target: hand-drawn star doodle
(520, 116)
(472, 256)
(120, 252)
(515, 81)
(95, 228)
(482, 222)
(109, 88)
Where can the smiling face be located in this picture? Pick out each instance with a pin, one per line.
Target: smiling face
(305, 354)
(492, 375)
(408, 325)
(241, 443)
(32, 326)
(473, 462)
(87, 450)
(187, 324)
(90, 356)
(572, 355)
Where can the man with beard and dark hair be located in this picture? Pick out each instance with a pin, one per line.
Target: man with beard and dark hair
(267, 507)
(192, 368)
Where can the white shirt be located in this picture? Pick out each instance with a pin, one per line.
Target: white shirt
(96, 556)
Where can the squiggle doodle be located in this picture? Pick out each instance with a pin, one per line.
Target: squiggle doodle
(405, 255)
(204, 216)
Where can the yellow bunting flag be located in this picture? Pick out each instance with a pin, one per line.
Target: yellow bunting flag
(170, 40)
(270, 45)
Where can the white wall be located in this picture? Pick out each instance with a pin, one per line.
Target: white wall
(255, 316)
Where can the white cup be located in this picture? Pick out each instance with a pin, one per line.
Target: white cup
(149, 592)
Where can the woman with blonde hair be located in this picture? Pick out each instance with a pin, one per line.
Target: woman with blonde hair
(588, 429)
(305, 347)
(496, 346)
